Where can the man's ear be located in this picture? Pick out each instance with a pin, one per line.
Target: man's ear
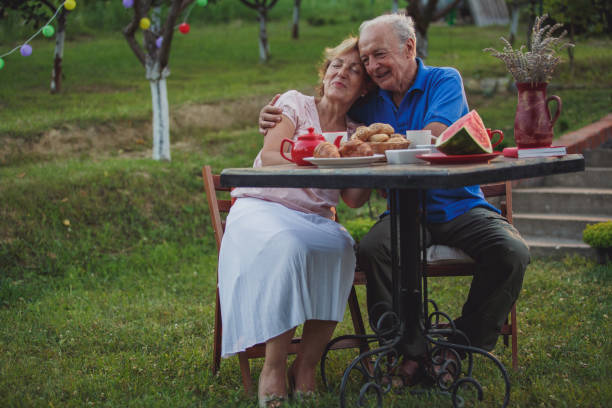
(410, 48)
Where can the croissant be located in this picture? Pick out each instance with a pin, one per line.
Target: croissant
(326, 150)
(355, 148)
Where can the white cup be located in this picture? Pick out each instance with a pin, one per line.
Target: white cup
(419, 137)
(332, 136)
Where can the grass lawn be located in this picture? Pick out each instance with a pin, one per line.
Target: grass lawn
(107, 259)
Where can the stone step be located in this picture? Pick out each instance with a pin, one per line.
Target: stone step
(563, 200)
(591, 177)
(554, 225)
(600, 157)
(558, 248)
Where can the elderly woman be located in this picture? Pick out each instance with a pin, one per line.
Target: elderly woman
(283, 260)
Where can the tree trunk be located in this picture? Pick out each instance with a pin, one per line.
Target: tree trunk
(296, 19)
(514, 21)
(532, 16)
(570, 50)
(421, 44)
(60, 36)
(161, 114)
(264, 48)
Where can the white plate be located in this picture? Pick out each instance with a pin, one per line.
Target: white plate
(328, 162)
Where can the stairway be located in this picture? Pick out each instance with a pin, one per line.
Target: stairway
(552, 215)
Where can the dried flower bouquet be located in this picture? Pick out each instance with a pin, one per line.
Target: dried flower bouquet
(537, 65)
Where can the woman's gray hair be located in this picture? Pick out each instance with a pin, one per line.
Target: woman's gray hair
(402, 25)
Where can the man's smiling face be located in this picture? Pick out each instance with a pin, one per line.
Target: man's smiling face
(391, 65)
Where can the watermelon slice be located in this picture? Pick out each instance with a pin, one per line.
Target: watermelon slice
(467, 135)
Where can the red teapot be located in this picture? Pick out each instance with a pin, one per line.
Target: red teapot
(304, 147)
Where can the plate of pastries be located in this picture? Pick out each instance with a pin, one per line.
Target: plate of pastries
(367, 145)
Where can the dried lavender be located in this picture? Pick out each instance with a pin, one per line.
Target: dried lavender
(538, 64)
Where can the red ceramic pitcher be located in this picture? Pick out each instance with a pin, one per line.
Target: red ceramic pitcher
(304, 147)
(533, 125)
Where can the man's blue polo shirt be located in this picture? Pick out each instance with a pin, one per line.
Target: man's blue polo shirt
(436, 95)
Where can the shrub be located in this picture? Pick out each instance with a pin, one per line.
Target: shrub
(598, 235)
(358, 227)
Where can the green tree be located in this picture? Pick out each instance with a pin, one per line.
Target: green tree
(262, 7)
(587, 17)
(37, 13)
(154, 55)
(423, 14)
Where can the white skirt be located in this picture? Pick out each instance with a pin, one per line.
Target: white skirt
(278, 268)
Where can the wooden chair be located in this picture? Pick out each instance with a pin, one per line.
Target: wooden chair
(217, 206)
(464, 265)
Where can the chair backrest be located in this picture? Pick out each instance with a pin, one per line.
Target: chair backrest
(504, 191)
(216, 205)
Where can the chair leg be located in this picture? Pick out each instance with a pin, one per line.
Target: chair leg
(356, 316)
(514, 338)
(217, 337)
(245, 371)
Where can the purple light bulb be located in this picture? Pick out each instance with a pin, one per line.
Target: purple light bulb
(158, 42)
(128, 3)
(26, 50)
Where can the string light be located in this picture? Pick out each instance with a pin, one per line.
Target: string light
(26, 50)
(145, 23)
(70, 4)
(47, 30)
(184, 28)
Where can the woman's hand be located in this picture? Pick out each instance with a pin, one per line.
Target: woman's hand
(269, 116)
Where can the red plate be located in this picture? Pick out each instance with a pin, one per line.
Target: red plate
(441, 158)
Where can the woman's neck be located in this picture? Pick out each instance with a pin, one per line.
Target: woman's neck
(331, 115)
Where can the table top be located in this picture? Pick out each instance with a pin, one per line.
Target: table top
(405, 176)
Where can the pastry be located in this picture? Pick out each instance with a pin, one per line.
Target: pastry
(381, 128)
(326, 150)
(355, 148)
(362, 133)
(379, 137)
(398, 139)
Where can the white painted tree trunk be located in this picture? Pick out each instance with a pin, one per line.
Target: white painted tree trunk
(58, 56)
(161, 114)
(264, 48)
(296, 19)
(514, 22)
(394, 6)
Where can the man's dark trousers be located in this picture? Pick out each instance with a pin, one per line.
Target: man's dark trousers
(501, 256)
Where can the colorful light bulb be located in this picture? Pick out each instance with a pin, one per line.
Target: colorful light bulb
(70, 4)
(158, 42)
(184, 28)
(26, 50)
(128, 3)
(48, 30)
(202, 3)
(1, 63)
(145, 23)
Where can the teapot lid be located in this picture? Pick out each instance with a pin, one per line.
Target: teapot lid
(311, 135)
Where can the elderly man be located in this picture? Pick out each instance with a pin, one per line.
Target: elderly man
(413, 96)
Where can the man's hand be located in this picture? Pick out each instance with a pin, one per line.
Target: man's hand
(269, 116)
